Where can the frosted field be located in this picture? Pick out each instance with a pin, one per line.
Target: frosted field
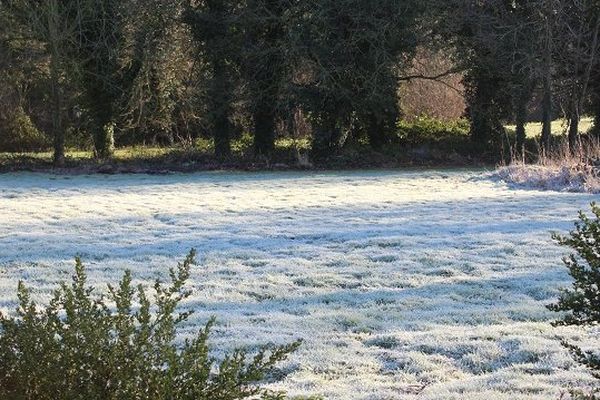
(419, 284)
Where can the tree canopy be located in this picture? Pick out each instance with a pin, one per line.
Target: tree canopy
(94, 73)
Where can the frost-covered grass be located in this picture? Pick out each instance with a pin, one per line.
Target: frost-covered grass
(560, 170)
(428, 284)
(570, 178)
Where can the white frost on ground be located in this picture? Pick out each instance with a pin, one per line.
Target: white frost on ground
(400, 283)
(567, 178)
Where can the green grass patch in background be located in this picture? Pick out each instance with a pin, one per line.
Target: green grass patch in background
(559, 127)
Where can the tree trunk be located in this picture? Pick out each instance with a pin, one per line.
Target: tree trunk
(268, 74)
(480, 126)
(326, 136)
(596, 112)
(58, 131)
(222, 140)
(264, 129)
(220, 98)
(547, 89)
(574, 132)
(104, 140)
(521, 118)
(375, 131)
(547, 113)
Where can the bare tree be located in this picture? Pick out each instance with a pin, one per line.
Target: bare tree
(579, 24)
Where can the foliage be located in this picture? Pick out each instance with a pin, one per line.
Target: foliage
(121, 345)
(582, 301)
(97, 67)
(353, 50)
(215, 31)
(485, 55)
(437, 139)
(425, 129)
(18, 133)
(161, 94)
(265, 66)
(581, 395)
(169, 71)
(50, 27)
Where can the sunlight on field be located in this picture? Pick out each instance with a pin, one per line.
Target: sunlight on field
(559, 127)
(240, 146)
(130, 153)
(403, 285)
(123, 153)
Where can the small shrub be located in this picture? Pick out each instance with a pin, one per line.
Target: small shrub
(204, 145)
(121, 345)
(446, 138)
(581, 303)
(430, 130)
(243, 144)
(19, 134)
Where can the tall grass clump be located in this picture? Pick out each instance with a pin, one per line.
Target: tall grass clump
(560, 168)
(121, 345)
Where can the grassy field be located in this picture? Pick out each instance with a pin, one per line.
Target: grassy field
(420, 284)
(559, 127)
(239, 147)
(199, 156)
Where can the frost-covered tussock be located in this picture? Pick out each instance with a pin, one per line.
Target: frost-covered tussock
(566, 178)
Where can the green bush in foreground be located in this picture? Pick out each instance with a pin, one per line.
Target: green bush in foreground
(121, 345)
(581, 303)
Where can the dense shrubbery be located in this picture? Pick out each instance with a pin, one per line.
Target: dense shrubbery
(448, 135)
(581, 303)
(19, 134)
(121, 346)
(431, 129)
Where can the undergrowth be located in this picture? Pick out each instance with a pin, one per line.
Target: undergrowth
(122, 345)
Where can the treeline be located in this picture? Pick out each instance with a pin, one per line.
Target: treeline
(92, 72)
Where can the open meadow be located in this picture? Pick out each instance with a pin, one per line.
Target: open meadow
(428, 284)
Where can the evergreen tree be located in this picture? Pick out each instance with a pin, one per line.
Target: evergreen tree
(100, 36)
(216, 31)
(581, 303)
(264, 64)
(353, 50)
